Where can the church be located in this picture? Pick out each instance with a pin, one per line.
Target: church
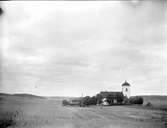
(116, 96)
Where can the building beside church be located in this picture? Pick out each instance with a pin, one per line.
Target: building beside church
(116, 97)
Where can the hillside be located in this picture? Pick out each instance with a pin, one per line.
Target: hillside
(156, 100)
(47, 112)
(20, 95)
(27, 95)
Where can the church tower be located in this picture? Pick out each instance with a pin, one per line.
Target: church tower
(126, 89)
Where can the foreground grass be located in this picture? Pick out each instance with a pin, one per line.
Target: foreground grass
(43, 113)
(7, 119)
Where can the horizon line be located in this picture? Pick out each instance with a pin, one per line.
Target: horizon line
(71, 96)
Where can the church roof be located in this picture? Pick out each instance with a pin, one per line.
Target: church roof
(106, 93)
(125, 83)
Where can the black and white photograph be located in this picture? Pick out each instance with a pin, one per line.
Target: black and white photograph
(83, 64)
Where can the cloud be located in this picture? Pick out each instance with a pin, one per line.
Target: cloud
(72, 48)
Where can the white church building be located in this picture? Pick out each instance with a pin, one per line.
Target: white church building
(116, 95)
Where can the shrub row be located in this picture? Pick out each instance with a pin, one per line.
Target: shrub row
(94, 100)
(136, 100)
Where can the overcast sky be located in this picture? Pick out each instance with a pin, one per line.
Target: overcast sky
(69, 48)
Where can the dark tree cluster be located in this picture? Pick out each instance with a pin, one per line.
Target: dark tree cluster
(1, 11)
(118, 96)
(87, 100)
(94, 100)
(65, 102)
(136, 100)
(111, 98)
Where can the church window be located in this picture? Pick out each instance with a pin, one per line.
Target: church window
(126, 89)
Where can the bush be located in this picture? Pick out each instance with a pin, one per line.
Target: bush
(126, 100)
(87, 100)
(65, 102)
(120, 97)
(149, 104)
(93, 100)
(136, 100)
(99, 99)
(8, 119)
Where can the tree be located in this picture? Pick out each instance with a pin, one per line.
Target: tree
(136, 100)
(1, 11)
(93, 100)
(86, 100)
(120, 97)
(99, 98)
(126, 100)
(65, 102)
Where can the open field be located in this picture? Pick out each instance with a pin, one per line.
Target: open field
(157, 101)
(31, 112)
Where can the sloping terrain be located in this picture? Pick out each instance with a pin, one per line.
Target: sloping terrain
(157, 101)
(23, 112)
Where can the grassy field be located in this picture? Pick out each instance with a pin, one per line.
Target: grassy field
(157, 101)
(31, 112)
